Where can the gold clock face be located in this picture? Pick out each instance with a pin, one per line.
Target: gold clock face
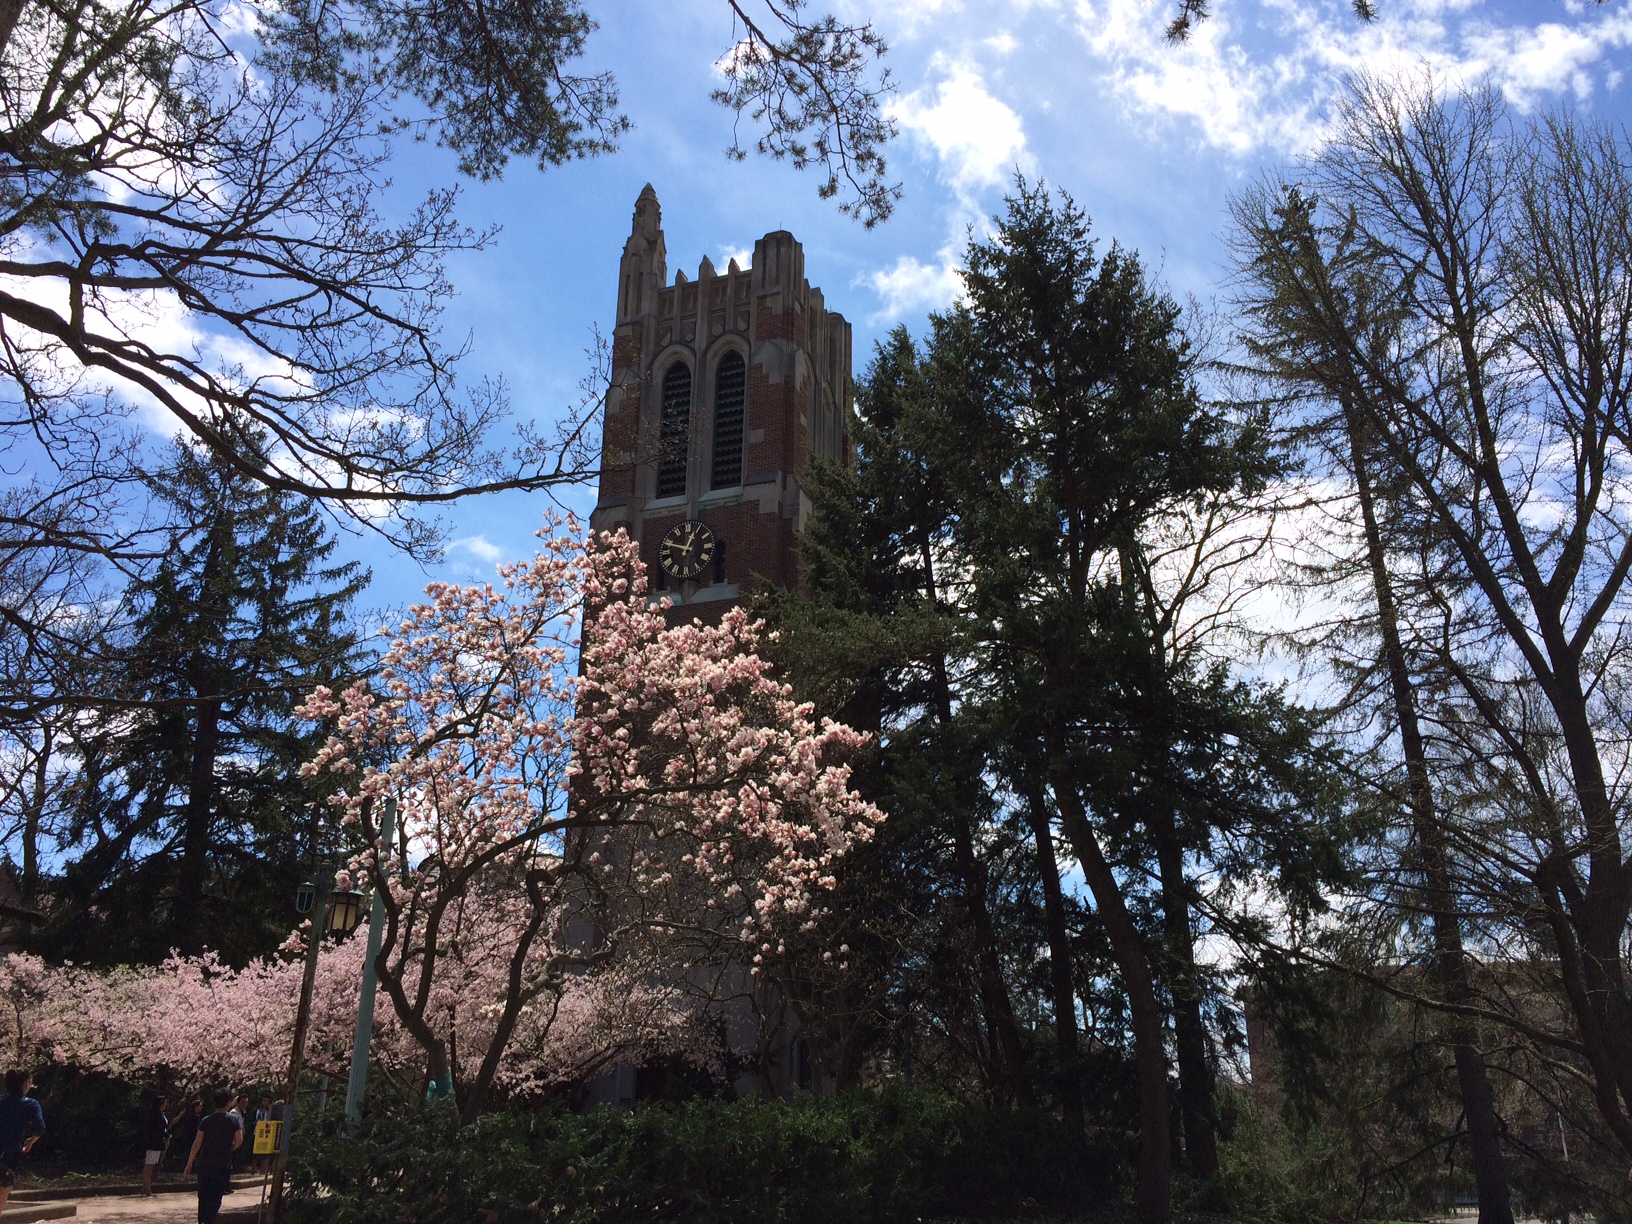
(687, 550)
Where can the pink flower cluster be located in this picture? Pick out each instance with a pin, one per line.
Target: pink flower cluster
(195, 1023)
(582, 822)
(589, 831)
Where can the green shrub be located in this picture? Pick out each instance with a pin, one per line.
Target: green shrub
(862, 1157)
(92, 1121)
(1272, 1173)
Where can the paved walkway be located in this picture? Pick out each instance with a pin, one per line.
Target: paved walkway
(177, 1208)
(160, 1209)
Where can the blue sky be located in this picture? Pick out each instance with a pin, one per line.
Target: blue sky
(1149, 138)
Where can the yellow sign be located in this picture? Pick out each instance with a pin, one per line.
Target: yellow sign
(266, 1138)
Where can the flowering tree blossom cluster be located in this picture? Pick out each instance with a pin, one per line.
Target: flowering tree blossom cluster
(576, 832)
(194, 1023)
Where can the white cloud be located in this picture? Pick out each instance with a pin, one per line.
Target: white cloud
(978, 138)
(910, 285)
(978, 142)
(912, 15)
(1002, 43)
(1549, 58)
(1263, 76)
(480, 547)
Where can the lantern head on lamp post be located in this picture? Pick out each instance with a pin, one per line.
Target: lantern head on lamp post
(305, 895)
(345, 907)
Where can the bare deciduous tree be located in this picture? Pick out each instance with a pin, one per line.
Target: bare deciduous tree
(1456, 290)
(192, 225)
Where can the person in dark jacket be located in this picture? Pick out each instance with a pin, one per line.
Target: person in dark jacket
(182, 1130)
(155, 1138)
(21, 1125)
(220, 1134)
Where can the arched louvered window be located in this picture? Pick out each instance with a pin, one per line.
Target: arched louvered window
(674, 432)
(730, 389)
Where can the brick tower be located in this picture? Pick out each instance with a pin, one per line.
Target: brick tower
(722, 389)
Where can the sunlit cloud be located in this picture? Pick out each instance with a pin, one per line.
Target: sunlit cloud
(978, 143)
(478, 546)
(977, 138)
(1263, 77)
(910, 285)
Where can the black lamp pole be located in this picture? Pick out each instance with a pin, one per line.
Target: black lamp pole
(303, 1015)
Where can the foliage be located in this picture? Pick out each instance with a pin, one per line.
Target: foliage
(185, 825)
(93, 1121)
(1272, 1171)
(1440, 295)
(576, 845)
(1027, 584)
(864, 1156)
(814, 79)
(664, 807)
(197, 219)
(143, 1024)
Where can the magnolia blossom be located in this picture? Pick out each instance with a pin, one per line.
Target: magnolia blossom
(196, 1023)
(581, 821)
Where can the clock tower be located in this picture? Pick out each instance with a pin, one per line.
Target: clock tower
(723, 388)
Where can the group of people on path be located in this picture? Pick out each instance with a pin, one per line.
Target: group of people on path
(168, 1134)
(213, 1141)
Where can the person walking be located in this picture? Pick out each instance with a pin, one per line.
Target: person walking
(21, 1125)
(155, 1138)
(240, 1110)
(220, 1134)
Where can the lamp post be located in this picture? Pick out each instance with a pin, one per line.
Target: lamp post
(336, 906)
(345, 906)
(357, 1084)
(332, 909)
(311, 896)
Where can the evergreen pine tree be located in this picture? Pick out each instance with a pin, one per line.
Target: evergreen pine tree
(194, 824)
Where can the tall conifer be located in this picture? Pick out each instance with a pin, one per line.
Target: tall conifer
(194, 824)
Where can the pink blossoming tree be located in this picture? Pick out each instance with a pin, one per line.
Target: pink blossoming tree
(579, 851)
(571, 838)
(195, 1023)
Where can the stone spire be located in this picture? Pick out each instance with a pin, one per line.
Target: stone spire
(648, 215)
(645, 264)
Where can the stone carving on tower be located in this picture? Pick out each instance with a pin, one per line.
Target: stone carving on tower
(723, 388)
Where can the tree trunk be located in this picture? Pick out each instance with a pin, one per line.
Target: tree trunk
(34, 817)
(1002, 1031)
(1196, 1104)
(1059, 961)
(1450, 962)
(193, 869)
(1599, 911)
(1154, 1192)
(515, 999)
(10, 11)
(994, 992)
(211, 611)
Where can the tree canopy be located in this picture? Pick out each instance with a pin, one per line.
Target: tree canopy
(192, 222)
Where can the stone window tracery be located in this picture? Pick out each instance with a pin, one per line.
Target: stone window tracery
(674, 431)
(730, 394)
